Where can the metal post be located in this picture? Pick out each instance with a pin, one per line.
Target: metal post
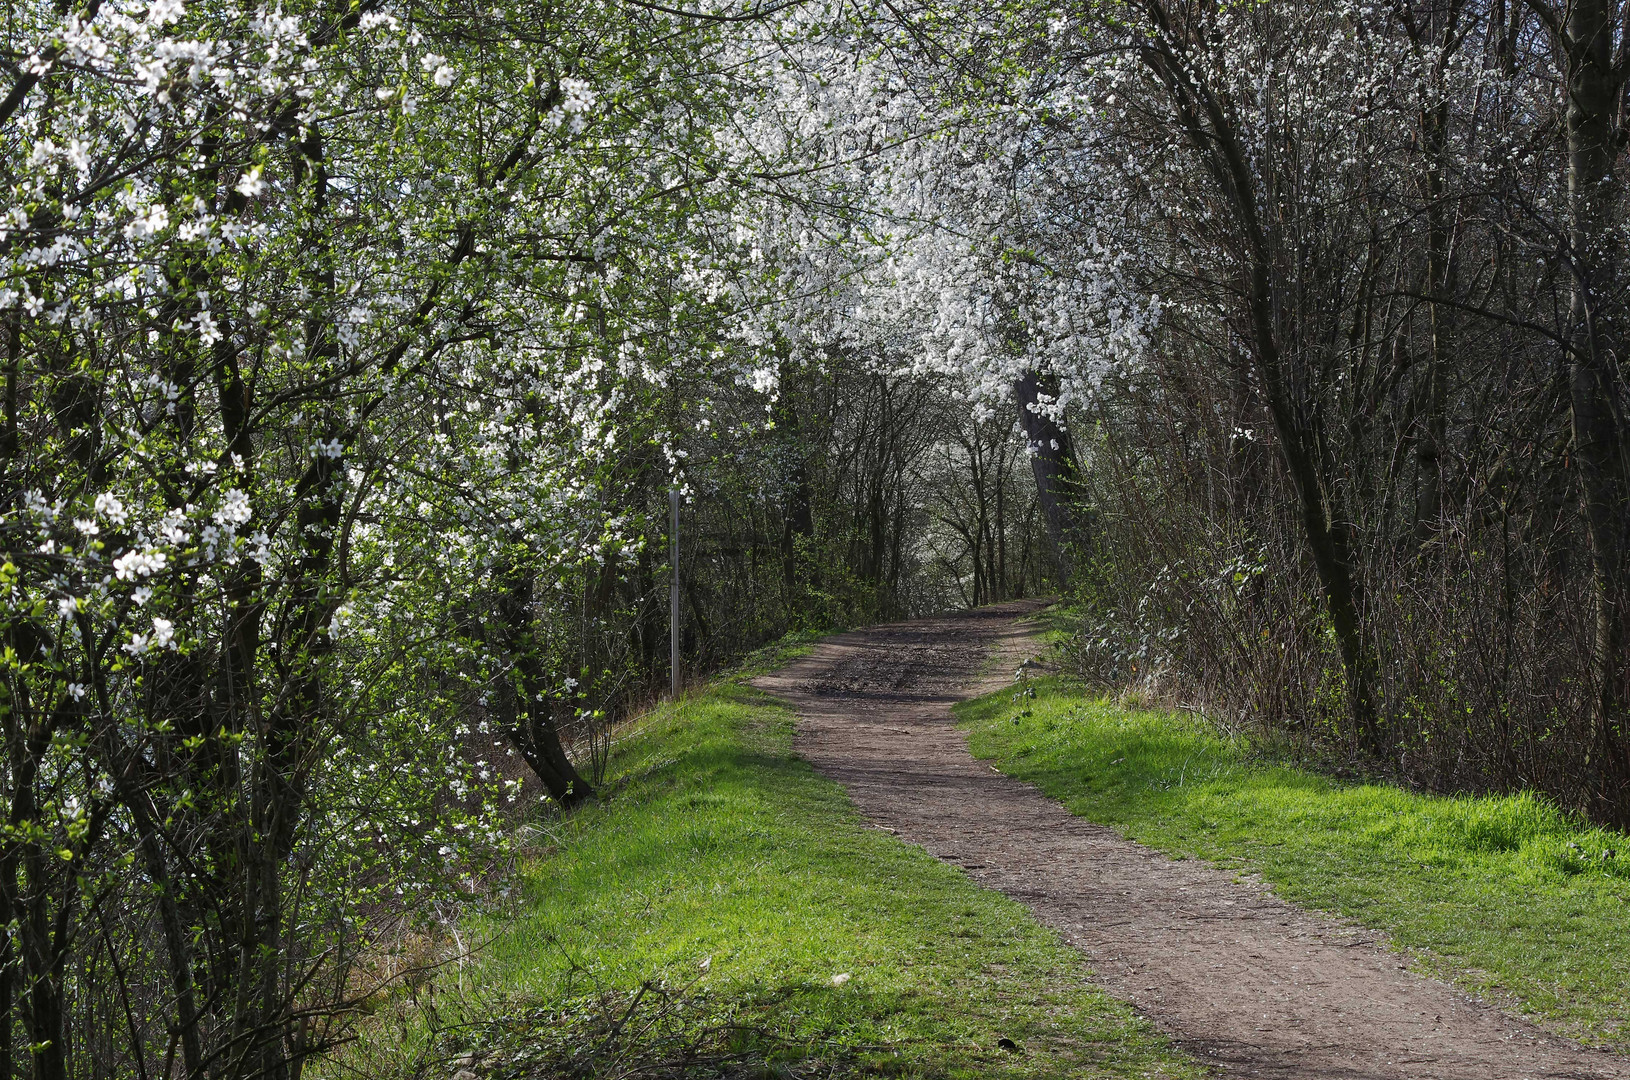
(673, 590)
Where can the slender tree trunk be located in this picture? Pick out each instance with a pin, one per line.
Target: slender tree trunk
(1293, 407)
(27, 871)
(9, 444)
(46, 1027)
(7, 1002)
(1434, 429)
(799, 524)
(10, 886)
(269, 1037)
(1003, 583)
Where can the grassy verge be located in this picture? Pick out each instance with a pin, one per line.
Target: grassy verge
(727, 912)
(1505, 895)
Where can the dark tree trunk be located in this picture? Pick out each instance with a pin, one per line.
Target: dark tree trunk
(1003, 585)
(526, 710)
(272, 1036)
(1433, 432)
(799, 525)
(1595, 384)
(1052, 460)
(1286, 380)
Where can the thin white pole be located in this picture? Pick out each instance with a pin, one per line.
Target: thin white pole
(673, 590)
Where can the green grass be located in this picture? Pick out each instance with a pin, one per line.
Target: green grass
(1507, 896)
(720, 846)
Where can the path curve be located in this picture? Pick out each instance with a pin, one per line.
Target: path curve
(1243, 981)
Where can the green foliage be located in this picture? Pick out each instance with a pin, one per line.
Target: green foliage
(1503, 894)
(738, 887)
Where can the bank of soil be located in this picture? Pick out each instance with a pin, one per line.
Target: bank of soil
(1242, 980)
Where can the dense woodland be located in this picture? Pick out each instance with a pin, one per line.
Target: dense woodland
(352, 349)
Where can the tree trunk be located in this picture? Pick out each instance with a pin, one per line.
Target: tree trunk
(799, 525)
(1434, 430)
(1594, 382)
(1052, 460)
(526, 709)
(1292, 404)
(1003, 584)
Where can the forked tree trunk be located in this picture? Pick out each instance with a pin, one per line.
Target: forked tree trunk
(527, 704)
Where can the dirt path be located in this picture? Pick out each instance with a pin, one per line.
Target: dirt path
(1242, 980)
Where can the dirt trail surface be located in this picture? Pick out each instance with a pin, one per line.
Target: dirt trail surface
(1242, 980)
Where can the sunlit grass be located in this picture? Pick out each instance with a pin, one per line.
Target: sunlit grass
(721, 850)
(1506, 895)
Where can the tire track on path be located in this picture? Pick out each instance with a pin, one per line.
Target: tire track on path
(1243, 981)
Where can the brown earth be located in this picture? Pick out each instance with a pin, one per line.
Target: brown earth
(1245, 982)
